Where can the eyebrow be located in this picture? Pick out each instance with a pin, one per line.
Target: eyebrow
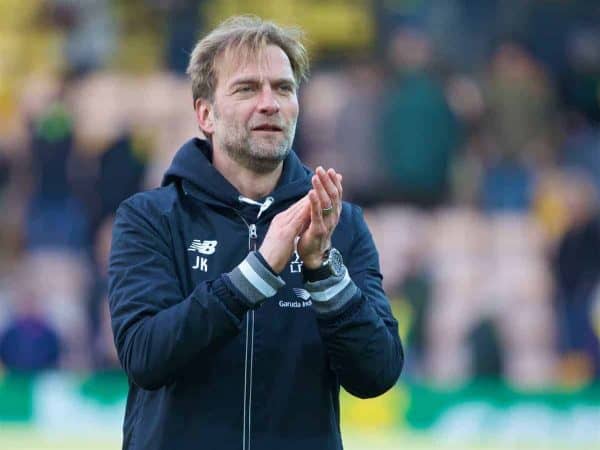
(253, 80)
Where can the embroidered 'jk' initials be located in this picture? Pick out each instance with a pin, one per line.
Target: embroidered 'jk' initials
(201, 263)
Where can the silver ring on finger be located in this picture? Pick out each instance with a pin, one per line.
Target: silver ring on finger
(327, 211)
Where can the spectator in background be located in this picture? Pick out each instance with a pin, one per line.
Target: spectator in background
(522, 128)
(28, 343)
(339, 123)
(416, 290)
(355, 134)
(182, 25)
(582, 151)
(55, 217)
(51, 146)
(104, 354)
(122, 161)
(521, 106)
(507, 186)
(418, 132)
(577, 271)
(582, 78)
(90, 32)
(582, 96)
(10, 221)
(486, 350)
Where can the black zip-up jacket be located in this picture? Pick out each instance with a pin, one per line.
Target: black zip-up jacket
(220, 352)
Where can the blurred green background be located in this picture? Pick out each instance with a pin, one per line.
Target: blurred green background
(467, 130)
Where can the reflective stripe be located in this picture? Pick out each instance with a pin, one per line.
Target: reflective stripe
(329, 293)
(256, 281)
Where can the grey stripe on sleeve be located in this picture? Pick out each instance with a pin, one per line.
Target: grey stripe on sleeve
(331, 293)
(254, 280)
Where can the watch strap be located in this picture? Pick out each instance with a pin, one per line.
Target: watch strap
(323, 271)
(318, 274)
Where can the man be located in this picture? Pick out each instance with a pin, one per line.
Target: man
(243, 293)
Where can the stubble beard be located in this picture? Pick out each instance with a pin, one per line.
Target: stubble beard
(259, 154)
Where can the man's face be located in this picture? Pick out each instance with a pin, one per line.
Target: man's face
(255, 109)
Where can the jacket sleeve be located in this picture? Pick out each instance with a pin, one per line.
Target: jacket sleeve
(157, 330)
(360, 332)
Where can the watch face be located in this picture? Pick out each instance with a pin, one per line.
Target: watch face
(336, 263)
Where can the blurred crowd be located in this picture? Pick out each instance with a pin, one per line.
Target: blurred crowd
(469, 131)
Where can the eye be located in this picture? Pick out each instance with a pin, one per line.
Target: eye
(288, 88)
(243, 89)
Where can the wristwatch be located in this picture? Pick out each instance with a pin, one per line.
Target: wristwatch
(332, 266)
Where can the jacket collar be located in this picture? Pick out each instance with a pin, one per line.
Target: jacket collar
(192, 168)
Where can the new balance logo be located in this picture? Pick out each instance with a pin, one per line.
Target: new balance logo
(204, 247)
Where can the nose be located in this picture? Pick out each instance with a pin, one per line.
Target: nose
(267, 103)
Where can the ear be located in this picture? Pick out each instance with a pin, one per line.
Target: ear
(205, 116)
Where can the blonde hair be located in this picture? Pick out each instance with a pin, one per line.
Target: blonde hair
(246, 36)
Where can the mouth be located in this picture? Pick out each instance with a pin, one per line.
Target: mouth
(268, 128)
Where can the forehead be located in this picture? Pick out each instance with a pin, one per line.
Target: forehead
(269, 62)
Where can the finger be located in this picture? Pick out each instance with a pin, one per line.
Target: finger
(337, 180)
(338, 183)
(295, 224)
(304, 224)
(324, 198)
(301, 217)
(300, 210)
(289, 214)
(316, 213)
(329, 181)
(302, 203)
(329, 186)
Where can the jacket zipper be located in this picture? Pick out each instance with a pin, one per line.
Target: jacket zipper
(249, 353)
(249, 347)
(252, 237)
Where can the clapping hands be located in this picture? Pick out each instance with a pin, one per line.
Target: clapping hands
(313, 218)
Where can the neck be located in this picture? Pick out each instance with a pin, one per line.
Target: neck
(248, 182)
